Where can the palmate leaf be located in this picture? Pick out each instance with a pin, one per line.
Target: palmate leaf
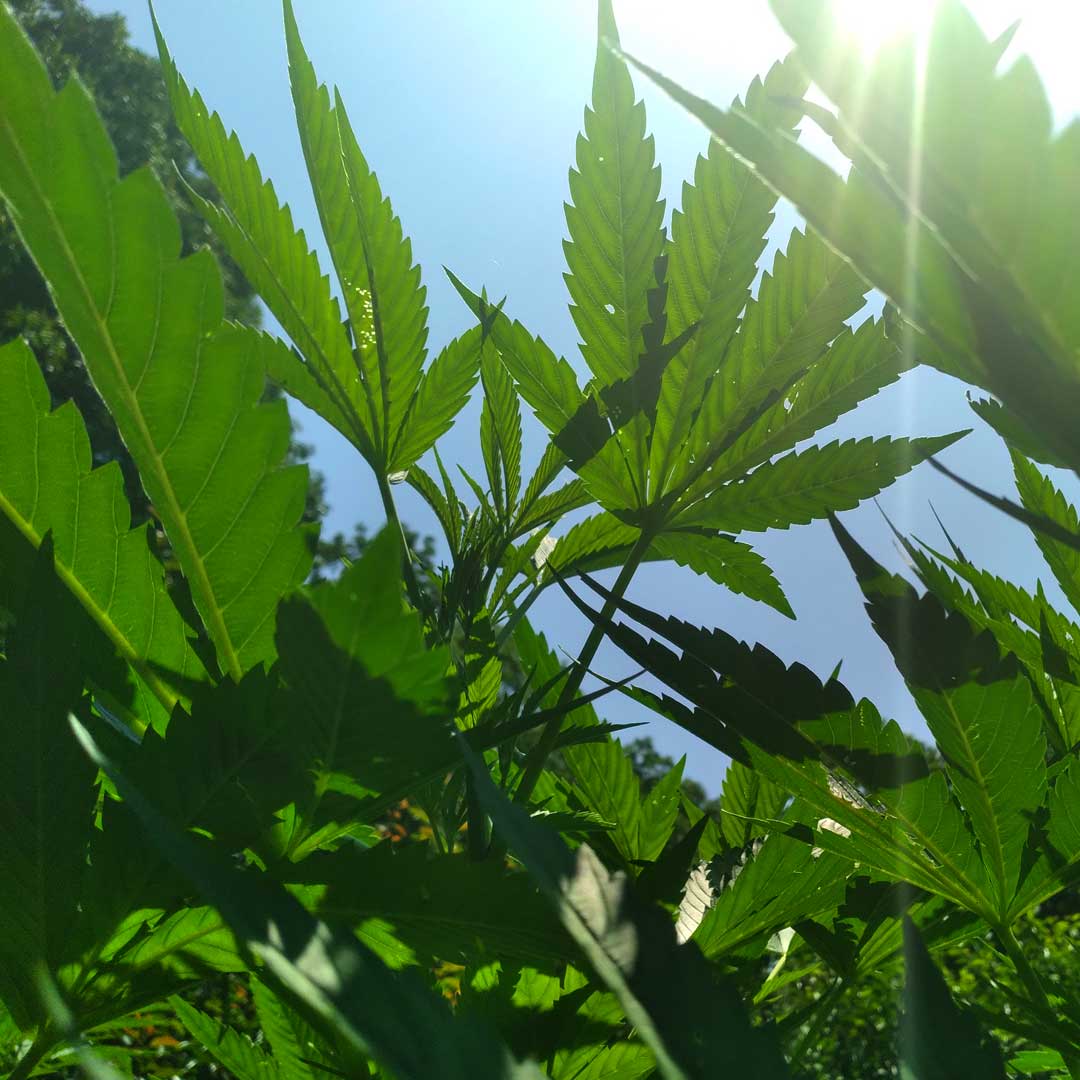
(224, 767)
(47, 798)
(547, 471)
(150, 956)
(865, 933)
(47, 485)
(1045, 650)
(615, 218)
(659, 811)
(602, 541)
(337, 983)
(989, 287)
(551, 506)
(813, 483)
(979, 707)
(1063, 827)
(1014, 432)
(716, 240)
(183, 388)
(798, 310)
(546, 382)
(603, 776)
(190, 942)
(582, 435)
(1057, 863)
(610, 788)
(1040, 496)
(373, 259)
(445, 505)
(979, 168)
(868, 228)
(258, 233)
(693, 1023)
(622, 1061)
(381, 286)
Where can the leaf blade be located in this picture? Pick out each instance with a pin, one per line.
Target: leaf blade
(183, 387)
(614, 218)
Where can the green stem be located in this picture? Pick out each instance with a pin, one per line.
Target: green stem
(41, 1046)
(517, 615)
(537, 757)
(1036, 991)
(412, 584)
(1027, 974)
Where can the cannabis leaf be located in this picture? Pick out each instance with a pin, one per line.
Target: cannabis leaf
(47, 485)
(183, 387)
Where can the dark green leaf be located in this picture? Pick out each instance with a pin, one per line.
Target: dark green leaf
(747, 800)
(370, 702)
(938, 1041)
(336, 982)
(977, 703)
(47, 798)
(692, 1022)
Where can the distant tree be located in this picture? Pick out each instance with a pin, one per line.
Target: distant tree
(650, 765)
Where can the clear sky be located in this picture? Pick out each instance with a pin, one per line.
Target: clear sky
(468, 112)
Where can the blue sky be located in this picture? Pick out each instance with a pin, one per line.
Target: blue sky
(468, 112)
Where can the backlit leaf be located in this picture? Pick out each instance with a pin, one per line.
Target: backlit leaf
(183, 386)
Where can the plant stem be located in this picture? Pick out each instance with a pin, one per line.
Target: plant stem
(537, 757)
(517, 615)
(42, 1044)
(412, 585)
(1036, 991)
(1024, 969)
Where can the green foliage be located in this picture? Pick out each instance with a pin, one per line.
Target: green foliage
(208, 766)
(129, 93)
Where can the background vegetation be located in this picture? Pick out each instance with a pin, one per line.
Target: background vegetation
(286, 808)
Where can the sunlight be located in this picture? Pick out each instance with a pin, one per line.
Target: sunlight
(873, 23)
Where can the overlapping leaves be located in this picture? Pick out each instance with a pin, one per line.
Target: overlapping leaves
(48, 486)
(183, 387)
(929, 214)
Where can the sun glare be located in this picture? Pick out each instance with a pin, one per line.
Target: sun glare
(873, 23)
